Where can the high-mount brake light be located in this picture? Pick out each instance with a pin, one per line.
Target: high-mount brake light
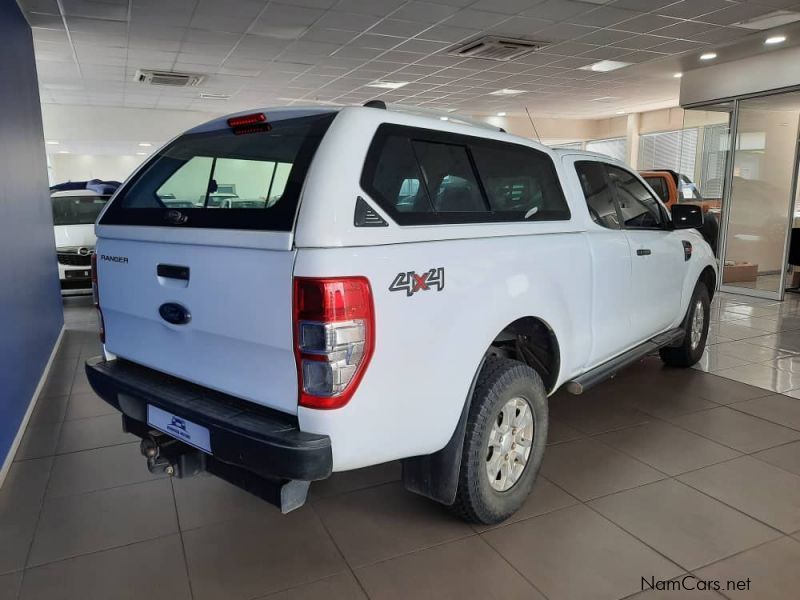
(334, 326)
(96, 299)
(249, 123)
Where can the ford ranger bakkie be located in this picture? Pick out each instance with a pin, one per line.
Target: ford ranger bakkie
(384, 286)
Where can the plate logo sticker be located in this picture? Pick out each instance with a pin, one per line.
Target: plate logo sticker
(412, 282)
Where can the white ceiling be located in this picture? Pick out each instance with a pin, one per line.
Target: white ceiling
(303, 51)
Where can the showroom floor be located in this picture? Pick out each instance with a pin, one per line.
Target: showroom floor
(652, 475)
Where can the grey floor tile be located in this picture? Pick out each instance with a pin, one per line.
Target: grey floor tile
(764, 376)
(9, 585)
(771, 569)
(49, 410)
(74, 525)
(17, 527)
(546, 497)
(349, 481)
(558, 432)
(689, 592)
(767, 493)
(38, 441)
(96, 432)
(574, 553)
(386, 521)
(598, 410)
(723, 390)
(339, 587)
(153, 569)
(784, 341)
(588, 469)
(787, 457)
(25, 482)
(668, 448)
(82, 406)
(712, 360)
(735, 429)
(253, 557)
(468, 568)
(205, 499)
(668, 402)
(778, 408)
(686, 526)
(748, 352)
(58, 385)
(98, 469)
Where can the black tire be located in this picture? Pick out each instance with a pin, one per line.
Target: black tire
(500, 381)
(688, 354)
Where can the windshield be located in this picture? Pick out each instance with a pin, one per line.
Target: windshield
(224, 179)
(77, 210)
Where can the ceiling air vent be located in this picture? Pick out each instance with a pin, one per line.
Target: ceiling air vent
(169, 78)
(496, 48)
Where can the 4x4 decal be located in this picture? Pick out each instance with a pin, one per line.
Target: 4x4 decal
(411, 282)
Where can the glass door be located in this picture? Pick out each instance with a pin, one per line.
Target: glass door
(705, 156)
(760, 199)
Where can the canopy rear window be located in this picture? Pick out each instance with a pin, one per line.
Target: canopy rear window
(224, 179)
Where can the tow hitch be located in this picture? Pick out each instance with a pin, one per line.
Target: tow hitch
(165, 454)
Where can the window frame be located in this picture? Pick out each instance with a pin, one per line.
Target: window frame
(421, 134)
(666, 220)
(611, 187)
(280, 219)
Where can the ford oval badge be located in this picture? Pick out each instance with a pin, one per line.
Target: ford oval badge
(174, 313)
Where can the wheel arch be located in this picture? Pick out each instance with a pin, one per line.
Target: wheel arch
(533, 341)
(709, 278)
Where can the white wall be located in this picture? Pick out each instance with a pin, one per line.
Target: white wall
(80, 167)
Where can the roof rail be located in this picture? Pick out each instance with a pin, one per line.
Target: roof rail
(432, 113)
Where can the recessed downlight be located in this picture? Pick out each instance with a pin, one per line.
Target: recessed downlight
(63, 151)
(51, 143)
(677, 75)
(708, 56)
(145, 144)
(620, 112)
(444, 118)
(506, 92)
(775, 39)
(501, 114)
(387, 85)
(604, 66)
(141, 154)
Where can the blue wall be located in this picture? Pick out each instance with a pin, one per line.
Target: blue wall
(30, 302)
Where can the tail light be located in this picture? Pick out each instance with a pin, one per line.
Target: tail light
(96, 298)
(334, 324)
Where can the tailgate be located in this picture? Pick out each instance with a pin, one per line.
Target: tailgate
(238, 336)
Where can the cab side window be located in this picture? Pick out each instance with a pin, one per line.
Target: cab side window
(430, 177)
(449, 177)
(638, 207)
(598, 193)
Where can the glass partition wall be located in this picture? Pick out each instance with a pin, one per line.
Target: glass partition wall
(749, 186)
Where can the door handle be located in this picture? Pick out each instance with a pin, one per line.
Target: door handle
(173, 272)
(643, 252)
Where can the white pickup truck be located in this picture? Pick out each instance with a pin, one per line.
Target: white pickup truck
(400, 287)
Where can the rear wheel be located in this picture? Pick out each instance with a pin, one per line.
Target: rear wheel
(504, 443)
(696, 326)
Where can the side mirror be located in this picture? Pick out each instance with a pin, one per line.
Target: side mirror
(687, 216)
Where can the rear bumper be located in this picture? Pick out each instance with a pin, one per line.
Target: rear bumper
(261, 441)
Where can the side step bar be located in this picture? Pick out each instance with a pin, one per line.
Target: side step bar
(610, 368)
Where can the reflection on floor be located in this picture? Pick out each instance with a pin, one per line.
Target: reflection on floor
(769, 283)
(756, 342)
(655, 474)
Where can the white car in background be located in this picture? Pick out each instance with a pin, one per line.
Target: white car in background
(74, 214)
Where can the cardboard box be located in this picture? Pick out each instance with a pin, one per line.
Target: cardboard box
(742, 271)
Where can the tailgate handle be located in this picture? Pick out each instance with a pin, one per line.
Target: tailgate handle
(173, 272)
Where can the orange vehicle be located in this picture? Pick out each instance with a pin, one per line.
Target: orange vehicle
(673, 187)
